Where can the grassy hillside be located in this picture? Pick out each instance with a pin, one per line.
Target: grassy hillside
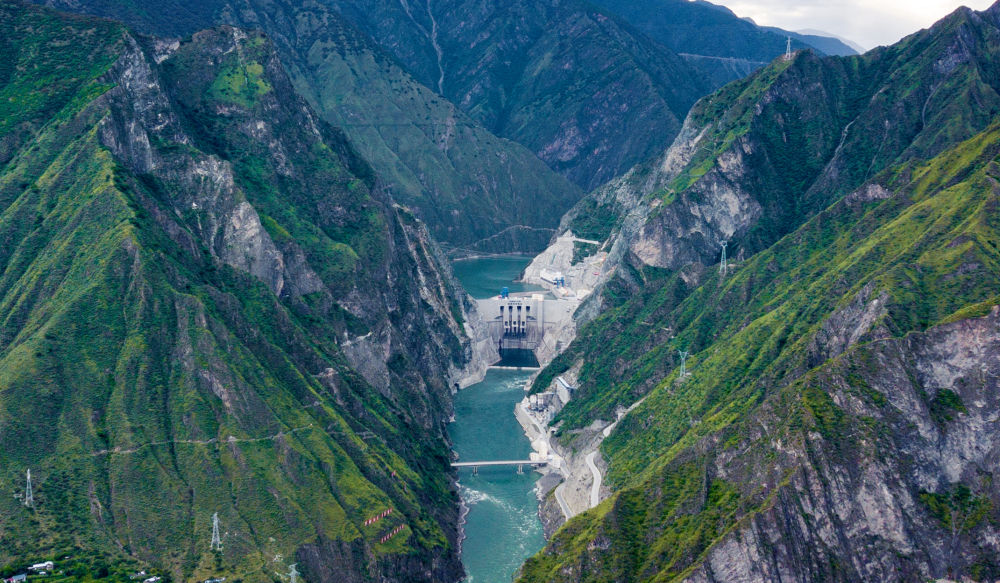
(185, 248)
(476, 192)
(768, 349)
(838, 420)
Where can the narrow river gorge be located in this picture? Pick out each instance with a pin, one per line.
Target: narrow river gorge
(501, 528)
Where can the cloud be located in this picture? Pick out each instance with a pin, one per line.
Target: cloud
(867, 22)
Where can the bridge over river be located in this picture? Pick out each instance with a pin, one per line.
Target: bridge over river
(519, 463)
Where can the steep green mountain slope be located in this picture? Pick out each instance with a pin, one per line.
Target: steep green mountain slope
(584, 91)
(209, 306)
(762, 155)
(714, 40)
(839, 422)
(475, 191)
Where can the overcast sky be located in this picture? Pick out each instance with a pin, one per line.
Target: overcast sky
(869, 23)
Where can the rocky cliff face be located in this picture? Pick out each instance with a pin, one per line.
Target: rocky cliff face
(211, 306)
(475, 192)
(230, 228)
(856, 514)
(835, 421)
(764, 154)
(585, 93)
(252, 121)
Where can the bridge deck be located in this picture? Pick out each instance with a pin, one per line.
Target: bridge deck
(499, 463)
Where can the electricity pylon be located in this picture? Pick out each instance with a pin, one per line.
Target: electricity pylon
(29, 497)
(723, 265)
(216, 540)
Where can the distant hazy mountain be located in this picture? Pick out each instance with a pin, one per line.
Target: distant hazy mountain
(825, 43)
(812, 31)
(717, 42)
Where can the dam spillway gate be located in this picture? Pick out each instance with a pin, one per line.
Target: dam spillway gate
(518, 324)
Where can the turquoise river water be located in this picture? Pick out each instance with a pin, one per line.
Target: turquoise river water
(486, 276)
(502, 527)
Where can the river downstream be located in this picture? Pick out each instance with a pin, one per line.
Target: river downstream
(502, 527)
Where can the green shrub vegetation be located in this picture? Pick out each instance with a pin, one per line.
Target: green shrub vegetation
(148, 385)
(926, 255)
(592, 220)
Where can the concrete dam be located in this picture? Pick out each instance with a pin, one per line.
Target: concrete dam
(528, 328)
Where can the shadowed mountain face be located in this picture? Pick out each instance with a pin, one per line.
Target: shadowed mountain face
(475, 191)
(717, 43)
(574, 84)
(209, 306)
(839, 417)
(585, 92)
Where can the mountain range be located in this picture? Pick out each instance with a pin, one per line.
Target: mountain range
(838, 419)
(209, 309)
(225, 295)
(570, 81)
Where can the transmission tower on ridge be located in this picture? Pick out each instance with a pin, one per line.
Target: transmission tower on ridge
(29, 497)
(684, 356)
(788, 50)
(293, 573)
(723, 265)
(216, 540)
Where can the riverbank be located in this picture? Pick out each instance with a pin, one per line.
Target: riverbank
(574, 480)
(495, 503)
(567, 486)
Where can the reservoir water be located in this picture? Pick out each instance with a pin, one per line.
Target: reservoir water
(486, 276)
(502, 527)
